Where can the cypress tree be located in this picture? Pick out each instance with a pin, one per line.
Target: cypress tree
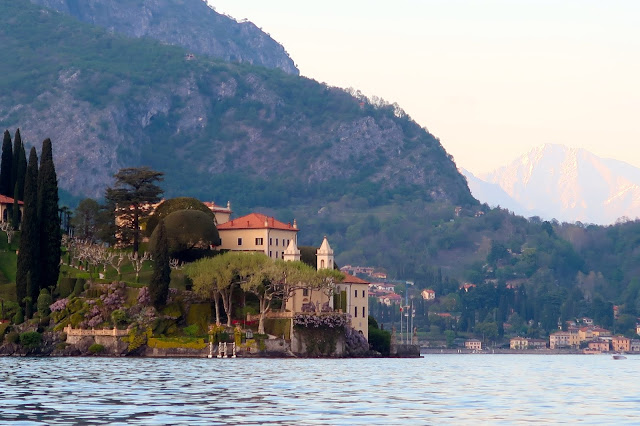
(21, 170)
(159, 284)
(5, 165)
(29, 238)
(17, 143)
(49, 219)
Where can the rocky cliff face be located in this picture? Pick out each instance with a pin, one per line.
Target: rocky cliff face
(191, 24)
(218, 130)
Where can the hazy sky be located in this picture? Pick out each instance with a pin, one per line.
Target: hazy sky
(491, 79)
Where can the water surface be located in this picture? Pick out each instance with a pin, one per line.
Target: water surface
(435, 389)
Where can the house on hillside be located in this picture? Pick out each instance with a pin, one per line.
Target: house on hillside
(428, 294)
(256, 232)
(473, 344)
(6, 206)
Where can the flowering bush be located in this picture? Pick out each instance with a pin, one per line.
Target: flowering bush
(143, 297)
(355, 343)
(330, 320)
(59, 305)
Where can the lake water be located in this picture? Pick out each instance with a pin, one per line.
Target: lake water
(435, 389)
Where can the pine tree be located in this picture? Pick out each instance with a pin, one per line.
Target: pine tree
(29, 239)
(49, 219)
(159, 284)
(5, 165)
(17, 143)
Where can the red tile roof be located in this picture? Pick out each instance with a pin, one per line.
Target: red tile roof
(7, 200)
(350, 279)
(256, 221)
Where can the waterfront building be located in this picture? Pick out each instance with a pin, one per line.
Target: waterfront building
(473, 344)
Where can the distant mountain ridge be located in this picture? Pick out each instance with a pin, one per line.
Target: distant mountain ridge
(192, 24)
(568, 184)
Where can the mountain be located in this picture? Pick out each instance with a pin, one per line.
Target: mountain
(568, 184)
(191, 24)
(492, 194)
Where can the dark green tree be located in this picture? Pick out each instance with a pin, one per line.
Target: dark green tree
(135, 189)
(17, 146)
(188, 233)
(20, 168)
(173, 205)
(159, 284)
(5, 165)
(30, 236)
(49, 219)
(85, 219)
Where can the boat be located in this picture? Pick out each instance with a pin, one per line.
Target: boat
(619, 356)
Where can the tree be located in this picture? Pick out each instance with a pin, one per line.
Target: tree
(187, 230)
(49, 219)
(18, 192)
(85, 219)
(30, 237)
(173, 205)
(134, 191)
(159, 284)
(17, 147)
(273, 280)
(5, 165)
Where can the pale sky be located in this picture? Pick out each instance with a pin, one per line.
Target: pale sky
(490, 79)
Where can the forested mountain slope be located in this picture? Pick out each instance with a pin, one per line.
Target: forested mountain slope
(191, 24)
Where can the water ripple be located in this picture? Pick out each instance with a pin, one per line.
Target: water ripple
(434, 389)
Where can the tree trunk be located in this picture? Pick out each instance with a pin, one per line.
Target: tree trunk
(216, 302)
(264, 308)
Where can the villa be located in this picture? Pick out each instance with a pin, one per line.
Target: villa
(6, 205)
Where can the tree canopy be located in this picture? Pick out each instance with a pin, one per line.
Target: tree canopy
(186, 231)
(172, 205)
(134, 190)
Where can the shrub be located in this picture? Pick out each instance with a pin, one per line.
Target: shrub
(44, 300)
(119, 317)
(12, 337)
(66, 286)
(96, 348)
(30, 339)
(380, 341)
(18, 318)
(192, 331)
(78, 286)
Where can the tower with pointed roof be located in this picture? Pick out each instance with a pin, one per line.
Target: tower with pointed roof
(292, 253)
(324, 255)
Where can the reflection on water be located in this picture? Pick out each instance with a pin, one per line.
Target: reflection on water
(433, 389)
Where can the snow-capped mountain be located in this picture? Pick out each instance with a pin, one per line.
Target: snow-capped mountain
(568, 184)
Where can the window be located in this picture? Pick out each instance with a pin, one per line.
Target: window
(363, 293)
(363, 315)
(322, 264)
(356, 311)
(276, 255)
(270, 254)
(276, 241)
(355, 293)
(287, 243)
(239, 241)
(283, 255)
(305, 292)
(259, 241)
(270, 241)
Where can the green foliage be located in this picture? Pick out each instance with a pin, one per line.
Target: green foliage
(49, 220)
(199, 315)
(380, 340)
(159, 284)
(450, 336)
(29, 253)
(85, 219)
(177, 342)
(31, 339)
(44, 300)
(66, 286)
(173, 205)
(186, 232)
(192, 330)
(6, 186)
(18, 318)
(96, 349)
(278, 327)
(119, 318)
(79, 286)
(12, 337)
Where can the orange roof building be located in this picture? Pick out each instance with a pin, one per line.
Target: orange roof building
(6, 204)
(256, 232)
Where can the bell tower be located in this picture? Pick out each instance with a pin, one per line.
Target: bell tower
(324, 255)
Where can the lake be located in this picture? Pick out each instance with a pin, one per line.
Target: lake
(434, 389)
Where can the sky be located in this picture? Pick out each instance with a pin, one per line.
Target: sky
(491, 79)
